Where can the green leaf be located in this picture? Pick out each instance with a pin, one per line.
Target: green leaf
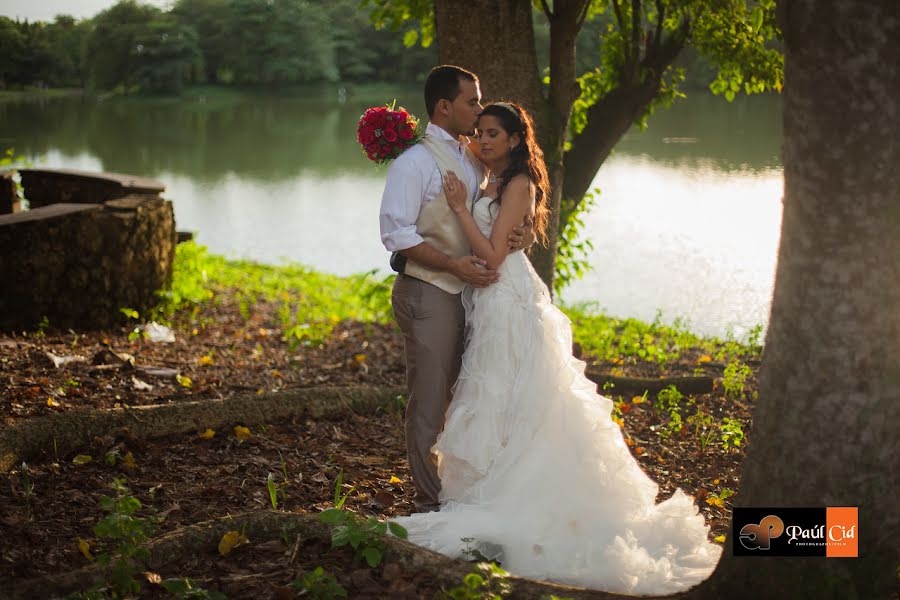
(372, 556)
(333, 516)
(398, 530)
(273, 492)
(757, 18)
(340, 536)
(129, 505)
(410, 38)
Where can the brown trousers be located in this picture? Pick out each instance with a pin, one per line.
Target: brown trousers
(433, 325)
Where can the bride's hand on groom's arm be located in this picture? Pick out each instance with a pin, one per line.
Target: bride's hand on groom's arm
(473, 271)
(455, 192)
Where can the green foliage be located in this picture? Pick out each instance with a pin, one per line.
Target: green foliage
(417, 15)
(165, 55)
(668, 401)
(128, 532)
(734, 378)
(311, 303)
(273, 491)
(732, 433)
(10, 161)
(487, 582)
(185, 589)
(722, 495)
(364, 535)
(572, 255)
(617, 341)
(111, 54)
(318, 584)
(739, 39)
(704, 427)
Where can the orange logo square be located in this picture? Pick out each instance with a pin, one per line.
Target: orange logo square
(841, 531)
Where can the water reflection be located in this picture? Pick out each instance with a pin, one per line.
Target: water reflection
(687, 221)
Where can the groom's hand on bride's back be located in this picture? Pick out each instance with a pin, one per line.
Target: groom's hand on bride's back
(472, 270)
(522, 236)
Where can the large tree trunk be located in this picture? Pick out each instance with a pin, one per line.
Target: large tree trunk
(826, 426)
(495, 40)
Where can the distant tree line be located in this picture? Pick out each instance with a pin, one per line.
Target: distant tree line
(137, 47)
(133, 47)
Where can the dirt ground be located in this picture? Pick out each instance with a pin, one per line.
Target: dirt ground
(186, 479)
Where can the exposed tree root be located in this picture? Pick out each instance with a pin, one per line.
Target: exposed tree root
(701, 384)
(62, 433)
(266, 525)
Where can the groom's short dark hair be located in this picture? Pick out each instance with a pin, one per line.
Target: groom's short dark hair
(443, 84)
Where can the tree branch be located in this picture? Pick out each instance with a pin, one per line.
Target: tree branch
(584, 13)
(660, 17)
(621, 22)
(546, 8)
(635, 34)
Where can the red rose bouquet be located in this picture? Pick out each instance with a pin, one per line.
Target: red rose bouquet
(384, 132)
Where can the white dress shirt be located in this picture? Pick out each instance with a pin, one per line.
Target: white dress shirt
(414, 180)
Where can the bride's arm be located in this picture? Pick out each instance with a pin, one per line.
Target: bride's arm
(517, 203)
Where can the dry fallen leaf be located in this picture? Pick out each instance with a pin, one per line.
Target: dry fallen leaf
(128, 462)
(720, 539)
(715, 502)
(152, 577)
(704, 359)
(81, 459)
(184, 381)
(206, 359)
(85, 548)
(395, 479)
(241, 433)
(208, 434)
(52, 403)
(638, 400)
(230, 541)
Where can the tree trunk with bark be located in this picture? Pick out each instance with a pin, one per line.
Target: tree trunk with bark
(826, 427)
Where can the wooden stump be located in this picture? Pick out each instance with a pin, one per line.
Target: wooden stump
(78, 264)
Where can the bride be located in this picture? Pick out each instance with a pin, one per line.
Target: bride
(534, 472)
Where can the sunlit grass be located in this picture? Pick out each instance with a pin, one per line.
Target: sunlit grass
(311, 303)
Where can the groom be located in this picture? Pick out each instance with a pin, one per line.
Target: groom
(434, 262)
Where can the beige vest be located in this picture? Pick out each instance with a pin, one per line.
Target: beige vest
(438, 225)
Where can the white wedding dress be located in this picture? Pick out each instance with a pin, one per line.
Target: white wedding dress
(534, 472)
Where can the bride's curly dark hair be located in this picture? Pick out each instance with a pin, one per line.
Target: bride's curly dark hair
(527, 157)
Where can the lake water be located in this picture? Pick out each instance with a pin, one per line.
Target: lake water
(687, 222)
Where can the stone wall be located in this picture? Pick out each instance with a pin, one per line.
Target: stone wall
(77, 264)
(44, 187)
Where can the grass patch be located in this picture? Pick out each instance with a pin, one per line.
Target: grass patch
(310, 303)
(617, 340)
